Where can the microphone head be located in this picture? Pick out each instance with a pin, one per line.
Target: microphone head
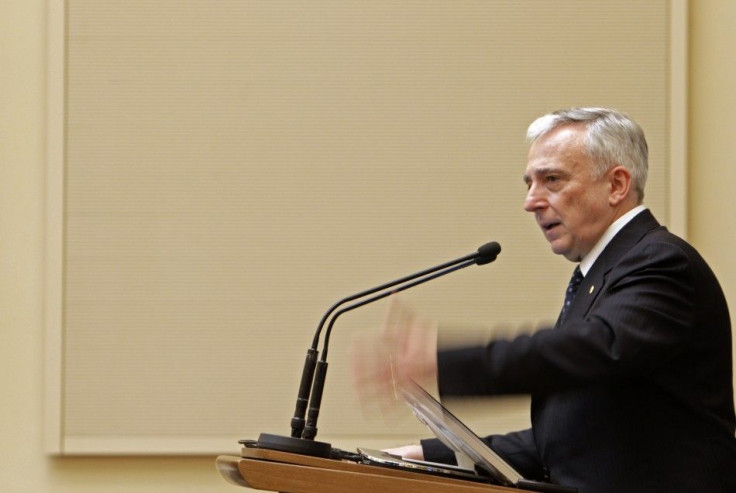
(488, 253)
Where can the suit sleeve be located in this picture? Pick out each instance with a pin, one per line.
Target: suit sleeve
(641, 319)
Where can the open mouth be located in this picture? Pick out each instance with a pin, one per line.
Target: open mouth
(548, 226)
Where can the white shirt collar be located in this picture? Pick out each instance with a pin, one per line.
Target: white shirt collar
(614, 228)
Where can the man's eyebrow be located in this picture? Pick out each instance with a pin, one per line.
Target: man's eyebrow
(546, 170)
(537, 172)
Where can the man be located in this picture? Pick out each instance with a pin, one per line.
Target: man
(632, 389)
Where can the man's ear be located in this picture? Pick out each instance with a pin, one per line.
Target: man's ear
(620, 185)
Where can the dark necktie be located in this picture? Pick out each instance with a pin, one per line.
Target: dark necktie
(572, 288)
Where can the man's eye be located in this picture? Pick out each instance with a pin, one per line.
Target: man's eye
(553, 178)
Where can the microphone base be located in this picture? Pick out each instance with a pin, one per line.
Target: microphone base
(293, 445)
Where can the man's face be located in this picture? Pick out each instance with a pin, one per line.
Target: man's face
(570, 206)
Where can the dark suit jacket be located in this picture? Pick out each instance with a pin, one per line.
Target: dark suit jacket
(634, 390)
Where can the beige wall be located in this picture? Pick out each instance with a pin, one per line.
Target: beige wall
(23, 465)
(712, 106)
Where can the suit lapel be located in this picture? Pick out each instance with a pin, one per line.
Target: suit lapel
(595, 281)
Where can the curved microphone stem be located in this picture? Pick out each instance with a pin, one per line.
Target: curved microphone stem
(367, 292)
(310, 429)
(325, 345)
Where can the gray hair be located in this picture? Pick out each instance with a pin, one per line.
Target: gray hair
(612, 139)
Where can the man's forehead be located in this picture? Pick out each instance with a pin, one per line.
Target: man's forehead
(560, 152)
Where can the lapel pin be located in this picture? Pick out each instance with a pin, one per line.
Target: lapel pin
(592, 288)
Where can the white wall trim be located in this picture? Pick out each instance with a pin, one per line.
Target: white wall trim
(54, 227)
(678, 196)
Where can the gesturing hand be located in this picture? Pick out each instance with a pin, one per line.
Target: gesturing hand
(404, 349)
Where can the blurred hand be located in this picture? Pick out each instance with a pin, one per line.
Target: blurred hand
(413, 452)
(404, 349)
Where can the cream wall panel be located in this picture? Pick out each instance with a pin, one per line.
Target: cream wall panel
(226, 170)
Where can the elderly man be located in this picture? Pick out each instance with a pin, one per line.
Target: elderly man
(632, 389)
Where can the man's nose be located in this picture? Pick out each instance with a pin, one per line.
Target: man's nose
(534, 199)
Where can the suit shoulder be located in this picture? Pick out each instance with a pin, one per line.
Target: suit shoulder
(662, 240)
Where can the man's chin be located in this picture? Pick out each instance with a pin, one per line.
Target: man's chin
(564, 250)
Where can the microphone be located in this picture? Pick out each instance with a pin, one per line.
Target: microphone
(303, 433)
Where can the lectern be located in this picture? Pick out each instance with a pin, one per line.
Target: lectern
(272, 470)
(270, 464)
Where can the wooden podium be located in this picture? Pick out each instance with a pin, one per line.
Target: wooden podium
(291, 473)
